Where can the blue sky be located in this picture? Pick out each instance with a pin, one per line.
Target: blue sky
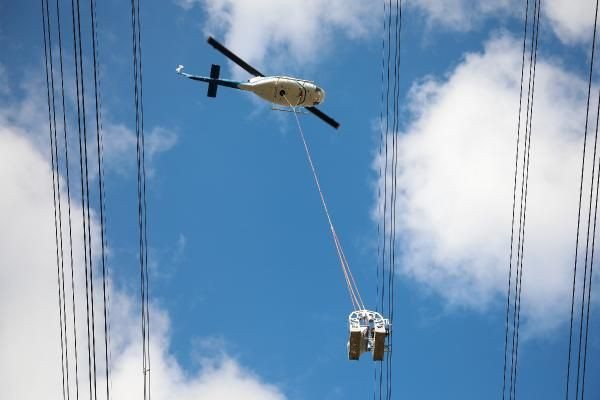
(245, 285)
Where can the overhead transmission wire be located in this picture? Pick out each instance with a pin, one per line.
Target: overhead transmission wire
(68, 185)
(100, 189)
(393, 194)
(528, 132)
(143, 148)
(509, 286)
(386, 251)
(595, 173)
(55, 194)
(523, 203)
(85, 194)
(379, 207)
(82, 130)
(524, 191)
(142, 204)
(567, 392)
(106, 294)
(589, 286)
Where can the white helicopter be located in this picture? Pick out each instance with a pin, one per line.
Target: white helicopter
(281, 90)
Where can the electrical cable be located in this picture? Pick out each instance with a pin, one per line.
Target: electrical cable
(394, 193)
(379, 238)
(87, 198)
(141, 175)
(528, 136)
(67, 178)
(514, 203)
(100, 188)
(54, 163)
(145, 222)
(81, 123)
(58, 198)
(385, 181)
(523, 202)
(597, 174)
(587, 249)
(580, 198)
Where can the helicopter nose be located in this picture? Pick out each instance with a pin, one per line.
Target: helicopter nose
(320, 95)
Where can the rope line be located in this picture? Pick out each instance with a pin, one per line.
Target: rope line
(352, 288)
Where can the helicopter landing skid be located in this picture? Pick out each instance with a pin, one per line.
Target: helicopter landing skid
(288, 110)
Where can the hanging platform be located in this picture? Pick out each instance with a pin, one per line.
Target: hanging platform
(368, 332)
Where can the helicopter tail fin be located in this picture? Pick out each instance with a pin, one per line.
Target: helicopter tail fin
(215, 71)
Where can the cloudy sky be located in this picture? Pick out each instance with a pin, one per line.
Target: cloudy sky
(247, 298)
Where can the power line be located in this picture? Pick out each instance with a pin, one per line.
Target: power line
(67, 177)
(82, 128)
(55, 183)
(524, 182)
(580, 198)
(100, 189)
(528, 133)
(393, 194)
(141, 185)
(514, 203)
(379, 208)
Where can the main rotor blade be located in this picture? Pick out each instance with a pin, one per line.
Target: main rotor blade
(326, 118)
(228, 53)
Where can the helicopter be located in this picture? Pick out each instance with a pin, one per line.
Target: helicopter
(281, 90)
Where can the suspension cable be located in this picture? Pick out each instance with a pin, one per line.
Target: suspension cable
(351, 284)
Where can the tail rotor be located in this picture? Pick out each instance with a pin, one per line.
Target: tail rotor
(215, 71)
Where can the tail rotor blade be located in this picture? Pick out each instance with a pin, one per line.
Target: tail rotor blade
(229, 54)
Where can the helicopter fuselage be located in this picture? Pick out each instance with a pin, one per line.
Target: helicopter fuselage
(285, 91)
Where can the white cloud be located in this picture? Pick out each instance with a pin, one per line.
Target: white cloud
(29, 328)
(461, 15)
(455, 181)
(572, 21)
(285, 35)
(120, 143)
(30, 112)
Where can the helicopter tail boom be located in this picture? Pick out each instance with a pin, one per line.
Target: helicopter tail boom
(213, 81)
